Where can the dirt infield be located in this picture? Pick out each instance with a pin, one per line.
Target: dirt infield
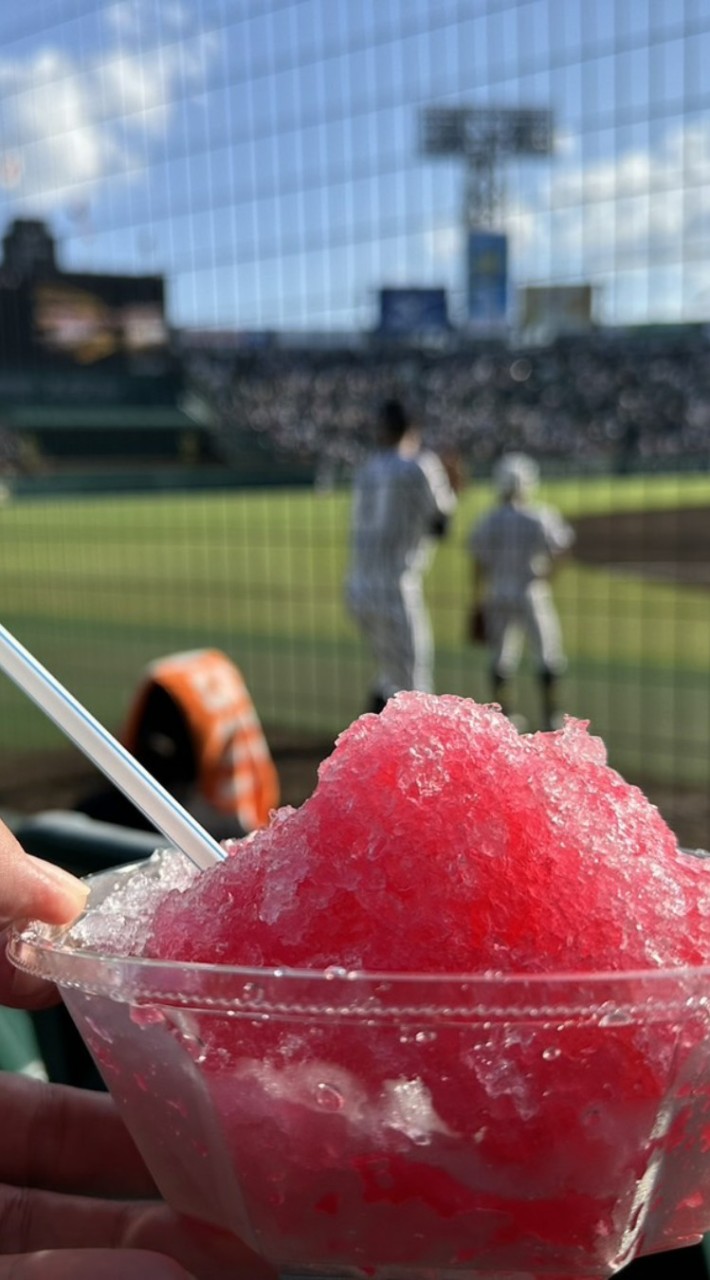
(670, 546)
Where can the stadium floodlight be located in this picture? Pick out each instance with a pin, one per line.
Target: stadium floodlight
(477, 133)
(483, 138)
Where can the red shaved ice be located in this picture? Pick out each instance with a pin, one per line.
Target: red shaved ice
(400, 1126)
(438, 839)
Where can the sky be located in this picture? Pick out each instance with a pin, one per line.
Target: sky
(264, 154)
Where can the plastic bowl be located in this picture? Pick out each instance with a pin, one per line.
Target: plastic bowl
(398, 1126)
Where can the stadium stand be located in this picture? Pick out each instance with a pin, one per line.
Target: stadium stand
(610, 400)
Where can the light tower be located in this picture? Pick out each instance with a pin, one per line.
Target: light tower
(483, 138)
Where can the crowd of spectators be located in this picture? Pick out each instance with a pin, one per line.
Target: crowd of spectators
(608, 399)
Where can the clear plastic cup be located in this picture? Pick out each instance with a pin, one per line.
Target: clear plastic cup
(354, 1124)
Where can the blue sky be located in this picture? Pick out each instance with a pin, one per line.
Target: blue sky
(263, 153)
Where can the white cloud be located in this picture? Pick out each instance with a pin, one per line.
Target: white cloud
(137, 89)
(123, 16)
(443, 242)
(641, 205)
(137, 18)
(67, 124)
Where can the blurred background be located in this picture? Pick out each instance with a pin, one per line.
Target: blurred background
(231, 227)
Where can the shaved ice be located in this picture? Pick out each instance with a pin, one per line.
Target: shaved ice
(536, 1104)
(438, 839)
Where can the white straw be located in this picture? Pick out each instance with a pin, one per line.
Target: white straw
(166, 815)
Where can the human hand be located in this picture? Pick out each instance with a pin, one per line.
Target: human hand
(37, 890)
(76, 1200)
(58, 1145)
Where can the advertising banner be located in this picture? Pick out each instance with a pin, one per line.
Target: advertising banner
(552, 309)
(487, 291)
(410, 311)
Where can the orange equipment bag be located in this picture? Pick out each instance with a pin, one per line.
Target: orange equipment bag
(235, 771)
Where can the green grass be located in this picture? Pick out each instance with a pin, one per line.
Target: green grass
(98, 587)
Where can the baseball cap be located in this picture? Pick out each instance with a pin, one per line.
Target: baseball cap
(515, 474)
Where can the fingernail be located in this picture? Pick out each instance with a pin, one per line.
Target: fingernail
(72, 889)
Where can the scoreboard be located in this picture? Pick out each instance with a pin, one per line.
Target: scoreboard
(67, 320)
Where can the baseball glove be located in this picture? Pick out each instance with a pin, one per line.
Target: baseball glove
(477, 625)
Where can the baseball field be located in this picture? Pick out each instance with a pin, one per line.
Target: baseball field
(97, 587)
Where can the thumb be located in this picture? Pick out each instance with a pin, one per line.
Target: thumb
(31, 888)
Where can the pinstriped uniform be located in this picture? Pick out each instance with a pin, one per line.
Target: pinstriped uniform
(396, 501)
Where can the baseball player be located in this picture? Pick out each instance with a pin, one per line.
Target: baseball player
(514, 549)
(402, 501)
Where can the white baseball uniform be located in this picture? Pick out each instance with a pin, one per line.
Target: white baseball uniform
(515, 545)
(396, 502)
